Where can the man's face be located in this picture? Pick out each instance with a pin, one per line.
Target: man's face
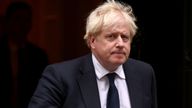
(112, 46)
(19, 24)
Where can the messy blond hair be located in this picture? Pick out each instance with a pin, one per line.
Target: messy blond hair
(101, 17)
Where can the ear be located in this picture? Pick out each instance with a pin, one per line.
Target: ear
(92, 42)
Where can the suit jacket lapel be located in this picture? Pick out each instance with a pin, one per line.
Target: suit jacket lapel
(134, 86)
(88, 84)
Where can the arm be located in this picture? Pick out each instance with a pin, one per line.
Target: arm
(49, 92)
(154, 91)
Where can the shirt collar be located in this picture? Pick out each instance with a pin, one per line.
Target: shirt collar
(101, 71)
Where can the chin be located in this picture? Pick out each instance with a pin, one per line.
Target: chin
(119, 62)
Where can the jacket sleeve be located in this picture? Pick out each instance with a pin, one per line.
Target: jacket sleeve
(49, 92)
(154, 91)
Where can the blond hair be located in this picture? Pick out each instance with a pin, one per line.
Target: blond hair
(103, 15)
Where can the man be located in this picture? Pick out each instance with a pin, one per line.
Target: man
(1, 25)
(21, 62)
(85, 83)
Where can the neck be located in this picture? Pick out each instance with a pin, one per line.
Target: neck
(16, 43)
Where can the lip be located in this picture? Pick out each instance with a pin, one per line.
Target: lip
(118, 52)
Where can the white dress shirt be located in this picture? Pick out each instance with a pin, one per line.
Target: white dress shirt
(103, 84)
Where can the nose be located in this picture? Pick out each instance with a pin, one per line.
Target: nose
(119, 41)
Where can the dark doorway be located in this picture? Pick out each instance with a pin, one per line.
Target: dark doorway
(160, 42)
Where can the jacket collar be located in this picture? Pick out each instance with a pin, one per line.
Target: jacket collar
(88, 84)
(134, 84)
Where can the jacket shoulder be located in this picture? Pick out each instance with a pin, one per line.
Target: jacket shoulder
(70, 63)
(69, 67)
(139, 67)
(137, 63)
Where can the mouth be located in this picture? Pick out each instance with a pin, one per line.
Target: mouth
(119, 53)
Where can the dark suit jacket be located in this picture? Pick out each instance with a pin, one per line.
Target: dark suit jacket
(32, 61)
(72, 84)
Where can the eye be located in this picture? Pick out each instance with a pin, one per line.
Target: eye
(125, 37)
(111, 37)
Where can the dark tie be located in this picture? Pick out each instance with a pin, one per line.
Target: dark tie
(113, 96)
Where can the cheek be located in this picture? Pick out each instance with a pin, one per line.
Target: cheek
(109, 48)
(105, 46)
(128, 49)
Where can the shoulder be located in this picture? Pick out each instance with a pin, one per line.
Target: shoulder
(36, 53)
(76, 62)
(69, 67)
(32, 47)
(138, 67)
(137, 63)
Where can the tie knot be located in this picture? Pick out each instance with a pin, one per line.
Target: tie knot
(111, 77)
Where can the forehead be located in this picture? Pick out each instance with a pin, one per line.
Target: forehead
(20, 16)
(21, 12)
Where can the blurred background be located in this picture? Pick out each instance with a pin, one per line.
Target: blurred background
(164, 39)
